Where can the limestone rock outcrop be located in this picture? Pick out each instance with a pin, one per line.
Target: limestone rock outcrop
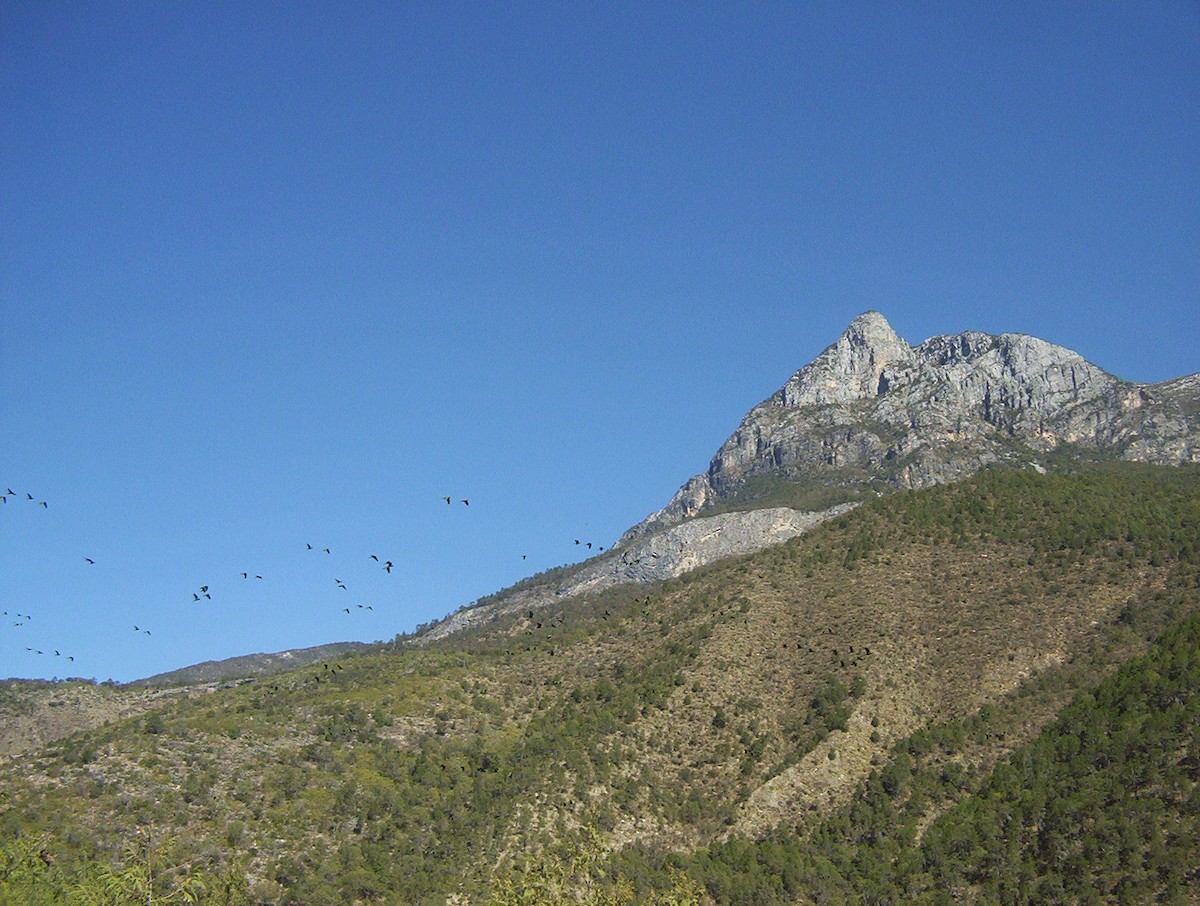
(871, 408)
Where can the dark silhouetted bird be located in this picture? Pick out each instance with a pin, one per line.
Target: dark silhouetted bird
(373, 557)
(326, 550)
(466, 503)
(387, 567)
(447, 499)
(42, 504)
(90, 560)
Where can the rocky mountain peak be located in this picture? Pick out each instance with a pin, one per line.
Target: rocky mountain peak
(871, 411)
(851, 368)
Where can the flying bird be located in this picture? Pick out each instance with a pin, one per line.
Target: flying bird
(447, 499)
(90, 560)
(387, 567)
(466, 503)
(373, 557)
(42, 504)
(326, 550)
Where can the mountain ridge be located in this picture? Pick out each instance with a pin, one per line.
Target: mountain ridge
(871, 408)
(870, 415)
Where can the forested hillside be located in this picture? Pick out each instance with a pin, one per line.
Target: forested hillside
(983, 692)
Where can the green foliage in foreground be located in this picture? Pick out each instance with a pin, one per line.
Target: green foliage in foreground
(30, 876)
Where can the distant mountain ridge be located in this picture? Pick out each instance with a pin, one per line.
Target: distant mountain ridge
(249, 665)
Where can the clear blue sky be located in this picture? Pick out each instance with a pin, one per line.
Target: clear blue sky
(274, 274)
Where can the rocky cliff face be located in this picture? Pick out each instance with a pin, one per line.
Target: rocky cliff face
(871, 408)
(665, 554)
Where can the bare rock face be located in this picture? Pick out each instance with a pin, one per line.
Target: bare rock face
(667, 554)
(871, 408)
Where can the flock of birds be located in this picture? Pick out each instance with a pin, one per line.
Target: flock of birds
(203, 593)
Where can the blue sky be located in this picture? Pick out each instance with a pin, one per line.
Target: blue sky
(279, 274)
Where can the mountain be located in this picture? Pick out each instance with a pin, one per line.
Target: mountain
(872, 415)
(925, 632)
(872, 412)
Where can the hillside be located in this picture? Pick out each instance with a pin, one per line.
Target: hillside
(839, 718)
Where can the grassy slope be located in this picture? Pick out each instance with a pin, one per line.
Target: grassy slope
(754, 707)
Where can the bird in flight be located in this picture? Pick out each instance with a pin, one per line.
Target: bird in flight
(90, 560)
(466, 503)
(42, 504)
(447, 499)
(387, 567)
(325, 549)
(373, 557)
